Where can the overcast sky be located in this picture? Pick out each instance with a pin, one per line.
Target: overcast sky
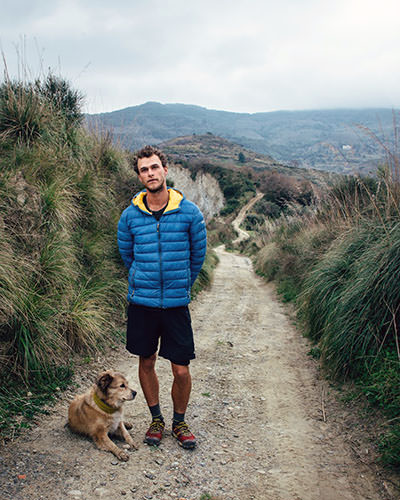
(245, 56)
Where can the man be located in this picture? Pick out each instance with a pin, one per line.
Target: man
(162, 241)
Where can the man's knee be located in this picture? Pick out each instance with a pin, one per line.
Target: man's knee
(180, 372)
(147, 364)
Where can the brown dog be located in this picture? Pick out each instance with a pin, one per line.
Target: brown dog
(98, 412)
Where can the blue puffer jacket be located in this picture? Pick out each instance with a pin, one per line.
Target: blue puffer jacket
(163, 257)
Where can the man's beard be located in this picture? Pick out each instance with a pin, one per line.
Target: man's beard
(156, 189)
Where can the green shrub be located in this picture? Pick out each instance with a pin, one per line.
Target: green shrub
(24, 115)
(351, 296)
(389, 446)
(205, 276)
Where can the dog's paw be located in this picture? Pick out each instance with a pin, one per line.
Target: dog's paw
(130, 445)
(122, 455)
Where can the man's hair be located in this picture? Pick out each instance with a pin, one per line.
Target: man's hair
(147, 152)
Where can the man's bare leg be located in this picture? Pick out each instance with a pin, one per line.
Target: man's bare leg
(180, 393)
(148, 379)
(150, 386)
(181, 387)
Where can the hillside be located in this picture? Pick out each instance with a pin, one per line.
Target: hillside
(333, 140)
(223, 152)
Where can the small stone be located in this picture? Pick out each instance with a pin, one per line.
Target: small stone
(159, 461)
(34, 451)
(100, 492)
(123, 492)
(114, 462)
(75, 493)
(149, 475)
(261, 471)
(167, 485)
(133, 490)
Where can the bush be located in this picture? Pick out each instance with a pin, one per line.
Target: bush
(351, 297)
(62, 283)
(24, 115)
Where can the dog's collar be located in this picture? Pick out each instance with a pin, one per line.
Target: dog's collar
(102, 405)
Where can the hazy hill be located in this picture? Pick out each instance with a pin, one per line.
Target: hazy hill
(324, 139)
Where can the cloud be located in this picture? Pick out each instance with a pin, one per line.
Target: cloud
(255, 56)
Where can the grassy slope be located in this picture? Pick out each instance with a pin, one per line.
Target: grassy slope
(341, 264)
(62, 283)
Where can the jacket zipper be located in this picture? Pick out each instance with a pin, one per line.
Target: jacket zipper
(159, 251)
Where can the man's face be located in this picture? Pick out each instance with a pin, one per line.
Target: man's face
(152, 174)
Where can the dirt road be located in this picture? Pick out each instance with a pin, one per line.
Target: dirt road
(242, 234)
(256, 410)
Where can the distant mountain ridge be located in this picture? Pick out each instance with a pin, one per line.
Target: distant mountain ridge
(334, 140)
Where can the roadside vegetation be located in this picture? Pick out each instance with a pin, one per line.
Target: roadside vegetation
(338, 259)
(62, 282)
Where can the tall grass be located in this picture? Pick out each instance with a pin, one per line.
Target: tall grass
(62, 190)
(340, 263)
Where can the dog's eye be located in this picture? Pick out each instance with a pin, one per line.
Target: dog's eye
(122, 385)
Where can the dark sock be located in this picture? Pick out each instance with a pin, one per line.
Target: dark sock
(156, 412)
(178, 417)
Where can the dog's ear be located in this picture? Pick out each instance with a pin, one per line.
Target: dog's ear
(104, 381)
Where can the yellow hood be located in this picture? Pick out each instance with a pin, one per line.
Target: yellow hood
(175, 198)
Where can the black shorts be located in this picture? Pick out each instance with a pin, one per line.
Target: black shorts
(146, 325)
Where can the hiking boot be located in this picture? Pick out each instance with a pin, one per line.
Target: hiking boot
(183, 435)
(155, 432)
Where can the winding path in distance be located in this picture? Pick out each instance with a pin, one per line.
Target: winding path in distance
(242, 234)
